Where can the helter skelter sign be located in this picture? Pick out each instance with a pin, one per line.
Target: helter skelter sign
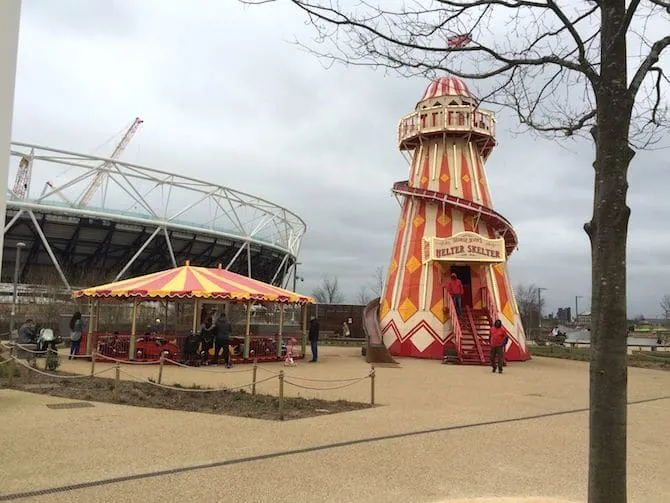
(464, 246)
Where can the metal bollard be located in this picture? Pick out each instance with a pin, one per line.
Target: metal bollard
(372, 385)
(116, 382)
(281, 395)
(253, 380)
(160, 368)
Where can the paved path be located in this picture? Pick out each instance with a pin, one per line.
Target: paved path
(440, 432)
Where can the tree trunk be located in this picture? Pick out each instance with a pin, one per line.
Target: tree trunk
(608, 231)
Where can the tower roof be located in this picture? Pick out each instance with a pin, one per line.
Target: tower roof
(446, 86)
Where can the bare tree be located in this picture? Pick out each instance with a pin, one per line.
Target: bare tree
(665, 305)
(527, 300)
(328, 292)
(377, 285)
(563, 69)
(363, 296)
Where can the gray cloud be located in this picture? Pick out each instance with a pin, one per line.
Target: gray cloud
(226, 97)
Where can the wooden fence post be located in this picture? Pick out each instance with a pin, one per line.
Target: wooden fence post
(11, 365)
(372, 385)
(253, 380)
(117, 382)
(160, 368)
(281, 395)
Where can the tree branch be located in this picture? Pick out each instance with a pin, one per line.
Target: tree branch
(651, 59)
(586, 66)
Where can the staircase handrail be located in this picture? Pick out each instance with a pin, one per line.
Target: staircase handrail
(493, 312)
(455, 323)
(475, 335)
(490, 305)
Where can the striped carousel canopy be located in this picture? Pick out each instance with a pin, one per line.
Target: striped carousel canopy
(190, 282)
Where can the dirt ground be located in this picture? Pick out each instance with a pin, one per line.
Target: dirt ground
(233, 403)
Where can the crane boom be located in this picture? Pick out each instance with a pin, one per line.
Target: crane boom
(101, 174)
(23, 175)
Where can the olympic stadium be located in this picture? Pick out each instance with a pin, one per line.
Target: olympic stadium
(87, 220)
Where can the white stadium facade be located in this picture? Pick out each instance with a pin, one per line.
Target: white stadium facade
(87, 220)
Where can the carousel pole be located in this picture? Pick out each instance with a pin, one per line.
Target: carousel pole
(91, 327)
(281, 330)
(97, 315)
(247, 332)
(304, 330)
(196, 312)
(131, 350)
(167, 303)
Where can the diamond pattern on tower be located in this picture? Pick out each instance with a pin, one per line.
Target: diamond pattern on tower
(424, 179)
(418, 221)
(413, 264)
(394, 266)
(443, 219)
(507, 311)
(384, 310)
(438, 311)
(421, 340)
(407, 309)
(466, 178)
(444, 178)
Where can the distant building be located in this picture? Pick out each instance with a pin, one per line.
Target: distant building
(564, 314)
(584, 318)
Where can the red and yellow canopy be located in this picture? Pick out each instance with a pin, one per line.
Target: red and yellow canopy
(189, 282)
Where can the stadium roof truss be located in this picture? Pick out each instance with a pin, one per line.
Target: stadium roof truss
(158, 200)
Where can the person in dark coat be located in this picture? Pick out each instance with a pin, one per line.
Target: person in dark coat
(314, 338)
(222, 332)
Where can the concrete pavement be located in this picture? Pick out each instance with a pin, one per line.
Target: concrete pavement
(439, 432)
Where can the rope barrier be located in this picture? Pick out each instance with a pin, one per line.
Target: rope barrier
(208, 370)
(286, 381)
(204, 390)
(349, 379)
(20, 362)
(345, 379)
(152, 362)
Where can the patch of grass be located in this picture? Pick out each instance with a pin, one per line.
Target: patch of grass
(644, 359)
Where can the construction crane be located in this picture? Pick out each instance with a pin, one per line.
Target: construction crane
(101, 175)
(23, 175)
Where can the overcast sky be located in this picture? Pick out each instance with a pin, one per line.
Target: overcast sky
(226, 97)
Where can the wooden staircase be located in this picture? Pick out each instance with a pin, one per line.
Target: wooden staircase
(475, 331)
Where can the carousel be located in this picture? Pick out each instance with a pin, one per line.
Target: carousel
(205, 291)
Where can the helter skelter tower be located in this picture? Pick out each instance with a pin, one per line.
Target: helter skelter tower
(447, 225)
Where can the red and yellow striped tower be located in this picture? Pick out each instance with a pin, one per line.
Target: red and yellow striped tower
(447, 225)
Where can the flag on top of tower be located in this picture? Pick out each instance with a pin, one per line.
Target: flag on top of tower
(458, 41)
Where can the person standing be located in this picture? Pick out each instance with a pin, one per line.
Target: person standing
(497, 340)
(314, 338)
(76, 329)
(222, 332)
(455, 289)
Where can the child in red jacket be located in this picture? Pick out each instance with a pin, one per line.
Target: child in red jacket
(497, 341)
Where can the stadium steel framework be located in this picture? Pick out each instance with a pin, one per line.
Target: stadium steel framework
(140, 220)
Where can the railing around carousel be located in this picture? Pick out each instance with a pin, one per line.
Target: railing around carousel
(455, 323)
(188, 349)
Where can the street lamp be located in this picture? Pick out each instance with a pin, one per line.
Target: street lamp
(577, 297)
(19, 245)
(295, 274)
(539, 305)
